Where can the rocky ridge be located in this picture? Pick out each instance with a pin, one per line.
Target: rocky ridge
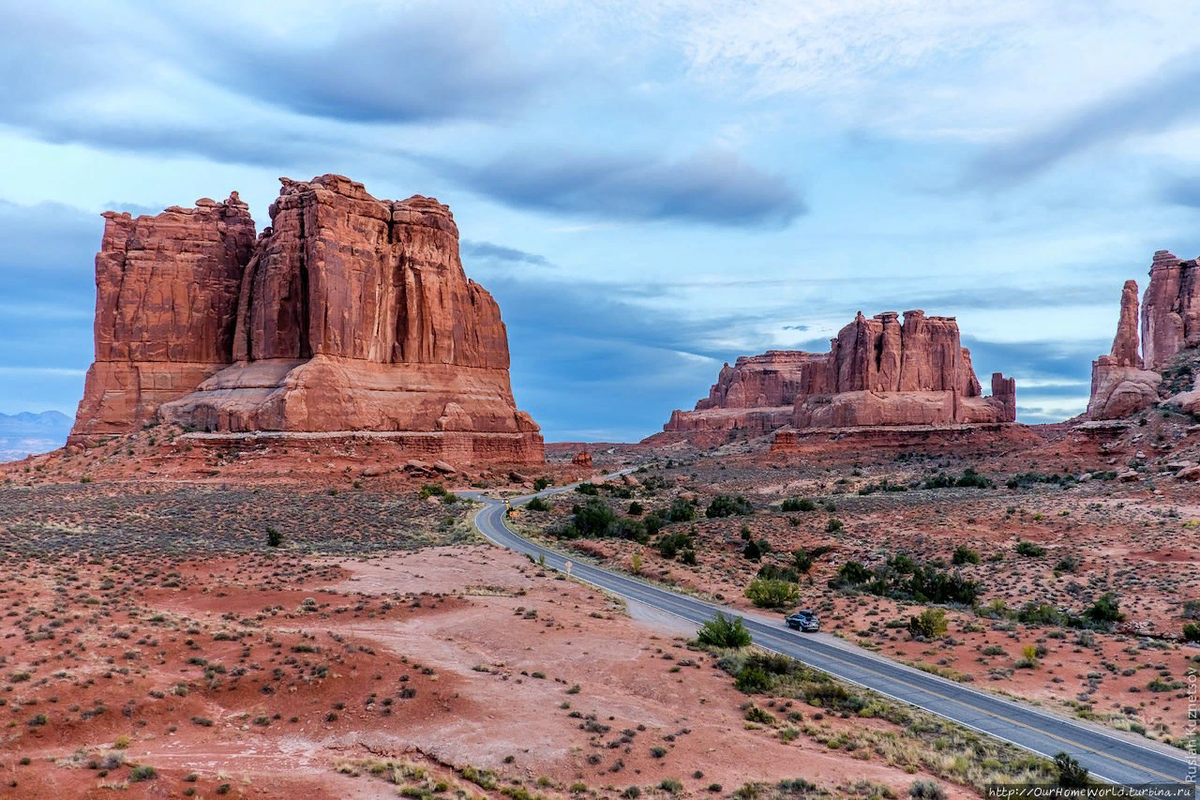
(878, 371)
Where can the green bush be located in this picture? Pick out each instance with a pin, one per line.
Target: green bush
(635, 509)
(929, 624)
(1070, 774)
(1068, 563)
(752, 551)
(681, 511)
(834, 525)
(773, 571)
(1105, 610)
(594, 518)
(1191, 632)
(590, 489)
(964, 555)
(1030, 549)
(768, 593)
(724, 505)
(537, 504)
(541, 483)
(143, 773)
(724, 632)
(797, 504)
(431, 489)
(274, 537)
(670, 545)
(924, 789)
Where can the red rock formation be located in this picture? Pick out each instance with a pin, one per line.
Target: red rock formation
(352, 314)
(1120, 386)
(582, 459)
(878, 372)
(1170, 309)
(166, 298)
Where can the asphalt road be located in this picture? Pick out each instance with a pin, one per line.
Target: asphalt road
(1114, 757)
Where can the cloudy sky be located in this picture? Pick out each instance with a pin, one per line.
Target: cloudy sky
(648, 187)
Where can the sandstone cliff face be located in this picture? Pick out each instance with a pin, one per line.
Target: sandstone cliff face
(348, 314)
(878, 371)
(1171, 309)
(166, 297)
(1129, 378)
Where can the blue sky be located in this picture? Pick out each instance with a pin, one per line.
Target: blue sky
(648, 188)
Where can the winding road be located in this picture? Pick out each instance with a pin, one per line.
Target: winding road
(1112, 756)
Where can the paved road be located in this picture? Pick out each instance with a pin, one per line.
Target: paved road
(1114, 757)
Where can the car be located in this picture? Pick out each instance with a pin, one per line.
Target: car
(805, 621)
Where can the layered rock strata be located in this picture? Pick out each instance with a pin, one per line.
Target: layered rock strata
(347, 314)
(879, 371)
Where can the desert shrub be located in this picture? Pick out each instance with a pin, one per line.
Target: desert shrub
(775, 572)
(430, 489)
(670, 544)
(834, 525)
(964, 555)
(1105, 610)
(590, 489)
(1030, 549)
(770, 593)
(724, 505)
(143, 773)
(973, 480)
(541, 483)
(1068, 563)
(537, 504)
(802, 561)
(1071, 774)
(1191, 609)
(724, 632)
(635, 509)
(752, 551)
(1025, 480)
(274, 537)
(929, 624)
(752, 680)
(681, 511)
(761, 716)
(924, 789)
(1191, 632)
(688, 557)
(592, 519)
(853, 572)
(797, 504)
(1033, 613)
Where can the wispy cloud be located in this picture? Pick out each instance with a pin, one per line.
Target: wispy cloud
(1163, 99)
(715, 187)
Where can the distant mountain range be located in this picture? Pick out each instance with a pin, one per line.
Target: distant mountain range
(27, 433)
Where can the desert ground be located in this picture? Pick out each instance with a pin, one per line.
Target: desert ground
(188, 621)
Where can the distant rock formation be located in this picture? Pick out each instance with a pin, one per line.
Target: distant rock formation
(582, 459)
(878, 371)
(347, 314)
(1120, 386)
(1130, 378)
(1170, 309)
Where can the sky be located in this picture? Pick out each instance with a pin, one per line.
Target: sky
(649, 188)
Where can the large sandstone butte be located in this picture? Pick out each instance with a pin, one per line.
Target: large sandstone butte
(878, 371)
(1130, 378)
(348, 314)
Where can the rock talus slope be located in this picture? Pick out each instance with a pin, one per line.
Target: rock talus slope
(347, 314)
